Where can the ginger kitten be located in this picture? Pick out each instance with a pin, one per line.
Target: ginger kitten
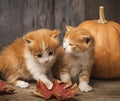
(78, 45)
(30, 57)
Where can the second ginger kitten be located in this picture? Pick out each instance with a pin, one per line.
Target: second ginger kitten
(76, 59)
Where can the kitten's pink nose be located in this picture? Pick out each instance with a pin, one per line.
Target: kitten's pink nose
(46, 61)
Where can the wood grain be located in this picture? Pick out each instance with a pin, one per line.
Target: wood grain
(104, 90)
(18, 17)
(111, 9)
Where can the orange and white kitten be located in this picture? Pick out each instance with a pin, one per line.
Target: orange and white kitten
(79, 48)
(30, 57)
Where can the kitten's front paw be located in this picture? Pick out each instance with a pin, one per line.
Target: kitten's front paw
(49, 85)
(84, 87)
(22, 84)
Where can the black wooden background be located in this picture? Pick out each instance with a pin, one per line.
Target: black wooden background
(18, 17)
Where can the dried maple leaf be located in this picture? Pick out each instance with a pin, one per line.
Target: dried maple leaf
(2, 86)
(63, 91)
(60, 90)
(4, 89)
(43, 90)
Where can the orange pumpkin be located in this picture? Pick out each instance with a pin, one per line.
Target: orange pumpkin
(107, 46)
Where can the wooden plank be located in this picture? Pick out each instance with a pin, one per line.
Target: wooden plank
(117, 12)
(111, 9)
(10, 20)
(68, 12)
(38, 14)
(103, 90)
(20, 16)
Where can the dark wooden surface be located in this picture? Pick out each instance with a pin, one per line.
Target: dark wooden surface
(104, 90)
(18, 17)
(111, 9)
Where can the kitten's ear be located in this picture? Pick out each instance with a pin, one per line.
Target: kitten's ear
(87, 39)
(28, 41)
(69, 28)
(54, 34)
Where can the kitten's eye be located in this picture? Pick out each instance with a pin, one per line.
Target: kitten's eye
(50, 53)
(39, 55)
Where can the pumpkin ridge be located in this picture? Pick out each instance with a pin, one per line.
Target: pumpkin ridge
(115, 31)
(114, 26)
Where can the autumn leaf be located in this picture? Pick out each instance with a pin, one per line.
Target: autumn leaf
(43, 90)
(2, 86)
(63, 91)
(60, 90)
(4, 89)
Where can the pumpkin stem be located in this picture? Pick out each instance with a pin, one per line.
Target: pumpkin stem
(102, 16)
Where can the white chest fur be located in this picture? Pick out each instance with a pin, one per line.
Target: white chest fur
(33, 66)
(80, 62)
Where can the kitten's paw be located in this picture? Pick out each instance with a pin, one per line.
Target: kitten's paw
(22, 84)
(49, 85)
(84, 87)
